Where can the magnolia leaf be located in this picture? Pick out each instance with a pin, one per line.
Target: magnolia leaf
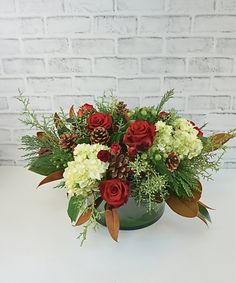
(84, 217)
(217, 141)
(42, 165)
(204, 205)
(71, 112)
(97, 202)
(186, 207)
(200, 216)
(198, 191)
(112, 222)
(74, 207)
(52, 177)
(204, 212)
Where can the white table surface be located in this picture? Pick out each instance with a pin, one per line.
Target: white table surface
(39, 245)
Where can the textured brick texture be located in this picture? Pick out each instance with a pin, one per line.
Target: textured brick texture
(63, 52)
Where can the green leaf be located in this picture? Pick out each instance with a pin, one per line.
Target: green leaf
(203, 213)
(75, 205)
(42, 165)
(203, 140)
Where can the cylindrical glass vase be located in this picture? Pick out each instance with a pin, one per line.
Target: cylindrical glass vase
(134, 217)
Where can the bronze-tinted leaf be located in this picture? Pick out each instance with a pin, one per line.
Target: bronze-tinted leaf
(84, 217)
(204, 205)
(71, 112)
(52, 177)
(97, 202)
(41, 135)
(186, 207)
(198, 192)
(203, 219)
(112, 222)
(216, 141)
(204, 212)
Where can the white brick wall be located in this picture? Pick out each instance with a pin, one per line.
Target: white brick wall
(63, 52)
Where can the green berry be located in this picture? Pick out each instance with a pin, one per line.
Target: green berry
(129, 114)
(153, 151)
(154, 112)
(144, 156)
(157, 157)
(165, 155)
(143, 112)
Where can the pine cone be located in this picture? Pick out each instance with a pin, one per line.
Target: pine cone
(121, 108)
(68, 141)
(99, 135)
(118, 167)
(172, 162)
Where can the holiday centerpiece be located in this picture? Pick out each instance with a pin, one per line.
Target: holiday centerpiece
(120, 166)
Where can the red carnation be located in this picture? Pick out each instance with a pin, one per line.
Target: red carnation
(140, 135)
(104, 155)
(99, 120)
(115, 192)
(115, 148)
(85, 108)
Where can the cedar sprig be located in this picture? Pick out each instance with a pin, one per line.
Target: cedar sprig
(30, 119)
(167, 96)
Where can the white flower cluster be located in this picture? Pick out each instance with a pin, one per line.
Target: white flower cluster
(82, 175)
(180, 137)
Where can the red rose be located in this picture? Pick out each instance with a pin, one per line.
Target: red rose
(140, 135)
(132, 151)
(104, 155)
(115, 192)
(115, 148)
(85, 108)
(99, 120)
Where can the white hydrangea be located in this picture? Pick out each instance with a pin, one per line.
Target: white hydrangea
(180, 138)
(84, 173)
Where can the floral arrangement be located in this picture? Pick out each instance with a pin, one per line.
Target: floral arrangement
(105, 154)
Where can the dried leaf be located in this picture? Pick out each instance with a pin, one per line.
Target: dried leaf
(59, 124)
(57, 121)
(216, 141)
(84, 217)
(186, 207)
(41, 135)
(112, 222)
(52, 177)
(71, 112)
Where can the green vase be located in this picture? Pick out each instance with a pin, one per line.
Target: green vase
(134, 217)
